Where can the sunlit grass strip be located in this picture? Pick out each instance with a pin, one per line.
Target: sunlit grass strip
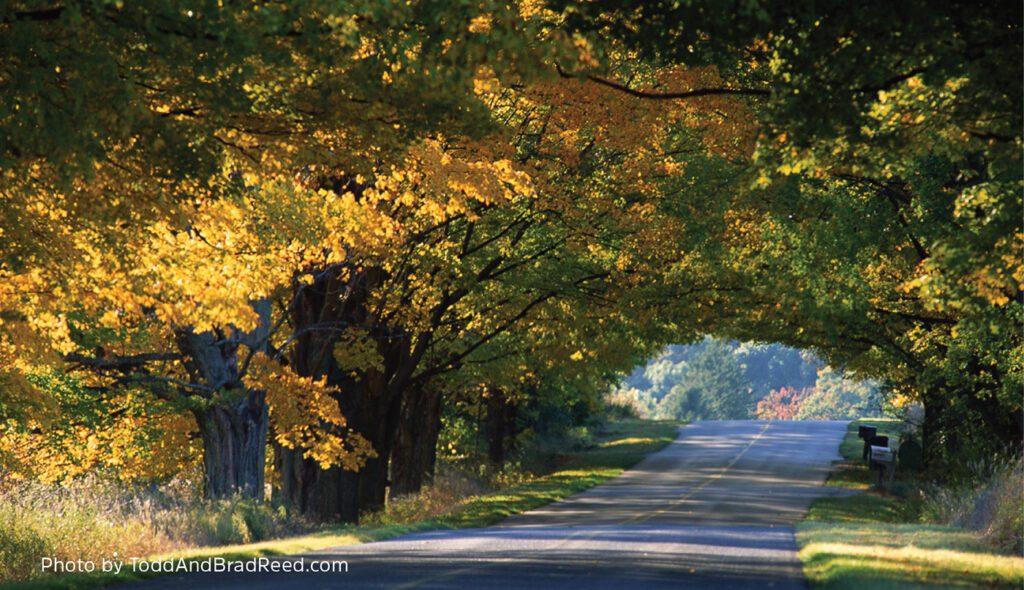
(857, 541)
(615, 450)
(902, 556)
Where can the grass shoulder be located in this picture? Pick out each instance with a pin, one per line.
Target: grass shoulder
(616, 446)
(869, 539)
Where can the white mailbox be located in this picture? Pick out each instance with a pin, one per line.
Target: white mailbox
(881, 454)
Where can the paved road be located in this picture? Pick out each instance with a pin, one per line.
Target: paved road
(714, 509)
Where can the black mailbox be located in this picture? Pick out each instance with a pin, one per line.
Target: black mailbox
(866, 433)
(873, 441)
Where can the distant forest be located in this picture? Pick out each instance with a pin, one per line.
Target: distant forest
(721, 380)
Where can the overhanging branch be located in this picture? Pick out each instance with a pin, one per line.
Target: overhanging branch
(695, 93)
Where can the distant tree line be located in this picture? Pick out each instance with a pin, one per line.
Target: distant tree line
(724, 380)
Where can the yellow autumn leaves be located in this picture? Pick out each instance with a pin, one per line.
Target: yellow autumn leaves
(305, 415)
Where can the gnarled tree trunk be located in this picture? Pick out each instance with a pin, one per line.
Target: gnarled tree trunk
(234, 446)
(233, 420)
(323, 311)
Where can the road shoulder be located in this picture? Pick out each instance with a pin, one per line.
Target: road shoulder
(864, 538)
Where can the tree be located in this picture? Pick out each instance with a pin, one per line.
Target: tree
(783, 404)
(319, 223)
(713, 387)
(836, 398)
(150, 213)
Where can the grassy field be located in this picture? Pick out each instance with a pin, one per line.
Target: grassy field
(617, 446)
(874, 540)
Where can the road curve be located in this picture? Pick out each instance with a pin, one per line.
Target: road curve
(715, 509)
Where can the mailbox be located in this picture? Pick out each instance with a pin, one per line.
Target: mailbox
(870, 436)
(884, 460)
(882, 455)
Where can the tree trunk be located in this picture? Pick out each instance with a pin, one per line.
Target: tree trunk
(501, 417)
(232, 420)
(415, 452)
(931, 440)
(317, 493)
(322, 311)
(332, 494)
(234, 446)
(380, 428)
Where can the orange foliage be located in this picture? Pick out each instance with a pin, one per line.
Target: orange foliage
(782, 404)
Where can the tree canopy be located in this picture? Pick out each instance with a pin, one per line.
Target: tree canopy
(318, 226)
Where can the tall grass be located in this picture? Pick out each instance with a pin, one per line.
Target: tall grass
(95, 519)
(989, 500)
(450, 488)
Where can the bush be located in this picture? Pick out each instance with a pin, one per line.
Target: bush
(579, 437)
(231, 522)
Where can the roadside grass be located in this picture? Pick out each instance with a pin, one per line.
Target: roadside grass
(870, 539)
(616, 446)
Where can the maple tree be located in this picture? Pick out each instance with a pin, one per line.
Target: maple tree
(782, 404)
(146, 247)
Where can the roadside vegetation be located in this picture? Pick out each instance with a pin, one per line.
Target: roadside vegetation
(915, 534)
(94, 519)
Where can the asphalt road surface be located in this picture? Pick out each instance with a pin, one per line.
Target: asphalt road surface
(715, 509)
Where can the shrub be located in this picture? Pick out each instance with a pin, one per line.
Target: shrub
(579, 437)
(229, 522)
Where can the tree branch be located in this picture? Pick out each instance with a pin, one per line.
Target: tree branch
(667, 95)
(121, 363)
